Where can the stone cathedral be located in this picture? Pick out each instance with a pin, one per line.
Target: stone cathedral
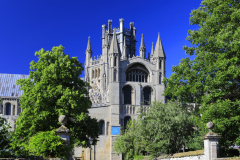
(121, 83)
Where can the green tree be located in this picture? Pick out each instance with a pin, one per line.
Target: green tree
(212, 79)
(161, 129)
(54, 88)
(47, 144)
(167, 127)
(130, 142)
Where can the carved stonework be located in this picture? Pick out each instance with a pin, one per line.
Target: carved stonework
(95, 95)
(154, 60)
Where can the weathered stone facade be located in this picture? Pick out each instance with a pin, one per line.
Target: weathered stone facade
(122, 82)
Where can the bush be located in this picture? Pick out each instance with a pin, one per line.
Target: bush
(5, 137)
(47, 144)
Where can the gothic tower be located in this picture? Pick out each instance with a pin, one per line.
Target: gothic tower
(121, 83)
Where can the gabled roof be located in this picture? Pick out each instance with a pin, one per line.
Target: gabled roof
(8, 87)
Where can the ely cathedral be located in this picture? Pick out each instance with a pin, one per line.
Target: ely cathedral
(121, 82)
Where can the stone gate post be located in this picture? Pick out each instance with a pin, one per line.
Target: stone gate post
(64, 132)
(211, 143)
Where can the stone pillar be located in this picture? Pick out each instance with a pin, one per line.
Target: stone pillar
(11, 109)
(64, 132)
(138, 95)
(211, 143)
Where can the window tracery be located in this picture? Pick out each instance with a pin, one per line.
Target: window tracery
(137, 75)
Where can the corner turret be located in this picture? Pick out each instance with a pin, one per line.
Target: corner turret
(159, 51)
(88, 53)
(142, 49)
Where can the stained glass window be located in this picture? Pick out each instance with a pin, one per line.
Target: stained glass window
(136, 75)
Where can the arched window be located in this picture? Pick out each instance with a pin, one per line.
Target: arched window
(137, 73)
(102, 127)
(107, 130)
(98, 73)
(127, 94)
(147, 95)
(93, 74)
(126, 119)
(115, 61)
(115, 75)
(160, 64)
(8, 108)
(160, 78)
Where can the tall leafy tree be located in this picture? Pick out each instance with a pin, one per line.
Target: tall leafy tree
(161, 129)
(212, 79)
(54, 88)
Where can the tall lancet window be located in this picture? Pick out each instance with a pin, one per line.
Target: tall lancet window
(92, 74)
(102, 127)
(147, 95)
(8, 108)
(160, 78)
(127, 95)
(160, 64)
(115, 61)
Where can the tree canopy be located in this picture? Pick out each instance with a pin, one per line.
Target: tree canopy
(161, 129)
(54, 88)
(212, 79)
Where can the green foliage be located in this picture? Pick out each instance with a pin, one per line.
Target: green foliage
(163, 129)
(131, 143)
(47, 144)
(5, 137)
(54, 88)
(167, 127)
(212, 79)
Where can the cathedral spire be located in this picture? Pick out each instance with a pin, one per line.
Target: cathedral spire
(159, 51)
(142, 49)
(89, 48)
(142, 42)
(88, 53)
(124, 49)
(114, 48)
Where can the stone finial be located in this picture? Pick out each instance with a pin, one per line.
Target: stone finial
(210, 126)
(121, 20)
(62, 119)
(63, 129)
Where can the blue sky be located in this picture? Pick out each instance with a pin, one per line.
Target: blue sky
(29, 25)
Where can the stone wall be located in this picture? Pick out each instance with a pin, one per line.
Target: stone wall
(199, 157)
